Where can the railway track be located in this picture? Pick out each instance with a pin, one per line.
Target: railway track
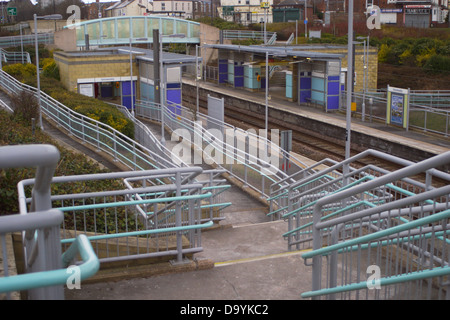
(305, 142)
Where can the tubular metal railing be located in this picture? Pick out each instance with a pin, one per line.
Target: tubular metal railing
(392, 227)
(326, 178)
(144, 214)
(241, 155)
(15, 57)
(44, 274)
(16, 41)
(428, 112)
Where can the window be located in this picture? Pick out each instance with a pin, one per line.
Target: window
(163, 6)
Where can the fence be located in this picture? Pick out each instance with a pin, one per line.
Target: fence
(134, 214)
(391, 224)
(433, 117)
(248, 34)
(17, 41)
(327, 178)
(238, 152)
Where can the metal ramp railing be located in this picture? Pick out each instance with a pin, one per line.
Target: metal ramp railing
(15, 57)
(295, 202)
(238, 156)
(391, 227)
(161, 216)
(45, 267)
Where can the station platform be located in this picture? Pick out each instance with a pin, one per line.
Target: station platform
(430, 143)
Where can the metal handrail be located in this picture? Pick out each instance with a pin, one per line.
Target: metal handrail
(88, 268)
(320, 224)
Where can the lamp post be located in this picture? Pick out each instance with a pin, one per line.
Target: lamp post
(366, 65)
(48, 17)
(349, 84)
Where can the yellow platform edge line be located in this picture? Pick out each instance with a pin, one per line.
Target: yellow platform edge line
(270, 256)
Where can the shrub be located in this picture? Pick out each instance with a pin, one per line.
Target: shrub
(25, 107)
(20, 71)
(50, 69)
(437, 63)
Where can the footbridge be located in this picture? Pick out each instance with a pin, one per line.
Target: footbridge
(137, 29)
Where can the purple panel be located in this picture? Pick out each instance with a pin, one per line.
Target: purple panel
(333, 103)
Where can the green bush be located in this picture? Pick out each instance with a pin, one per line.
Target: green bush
(437, 63)
(90, 107)
(50, 69)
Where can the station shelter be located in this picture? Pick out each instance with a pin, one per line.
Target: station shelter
(121, 75)
(309, 77)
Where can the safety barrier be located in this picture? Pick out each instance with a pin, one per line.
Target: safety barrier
(428, 111)
(326, 178)
(44, 274)
(392, 227)
(239, 155)
(14, 57)
(17, 41)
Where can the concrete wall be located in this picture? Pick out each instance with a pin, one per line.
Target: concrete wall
(66, 40)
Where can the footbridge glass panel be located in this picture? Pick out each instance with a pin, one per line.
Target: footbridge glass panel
(119, 30)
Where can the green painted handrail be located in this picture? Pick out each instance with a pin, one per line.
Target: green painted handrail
(41, 279)
(379, 234)
(144, 232)
(413, 276)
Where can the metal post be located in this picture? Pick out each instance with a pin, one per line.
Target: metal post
(161, 91)
(196, 73)
(37, 72)
(21, 40)
(349, 84)
(306, 20)
(267, 101)
(131, 81)
(363, 115)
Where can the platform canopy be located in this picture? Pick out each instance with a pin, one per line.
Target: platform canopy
(119, 30)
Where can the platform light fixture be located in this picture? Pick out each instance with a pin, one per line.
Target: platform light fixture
(35, 17)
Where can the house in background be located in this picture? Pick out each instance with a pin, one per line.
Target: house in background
(128, 8)
(246, 12)
(185, 9)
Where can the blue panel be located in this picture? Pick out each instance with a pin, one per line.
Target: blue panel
(304, 95)
(333, 103)
(174, 85)
(223, 67)
(223, 78)
(333, 88)
(238, 71)
(333, 78)
(126, 102)
(305, 83)
(174, 96)
(126, 88)
(239, 82)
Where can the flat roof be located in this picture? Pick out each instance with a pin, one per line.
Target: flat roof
(278, 51)
(167, 57)
(141, 54)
